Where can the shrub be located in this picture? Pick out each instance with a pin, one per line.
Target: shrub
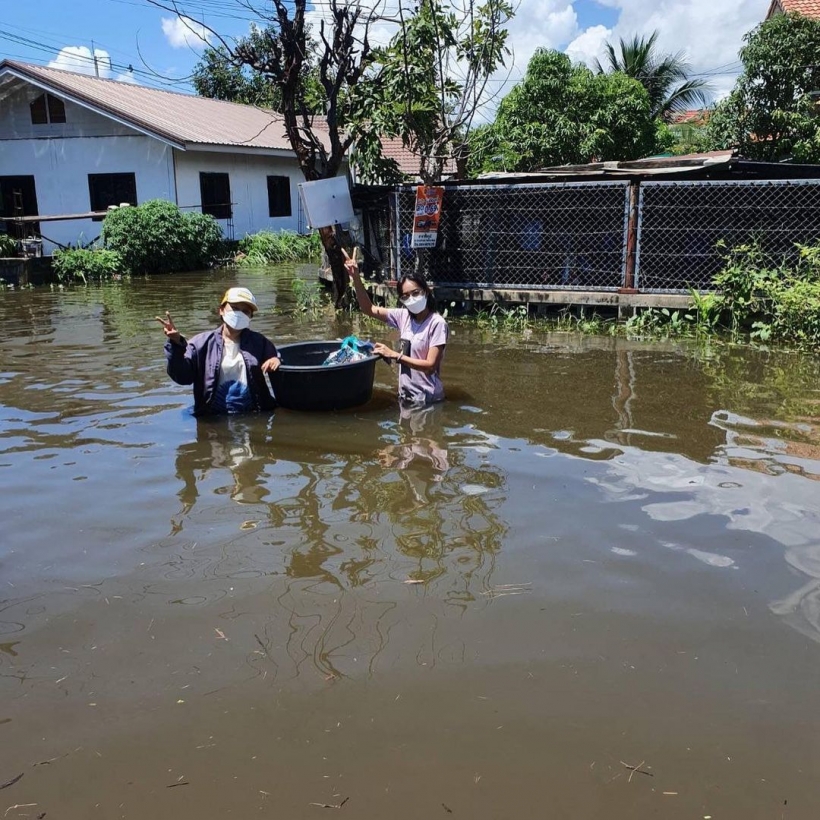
(158, 237)
(8, 246)
(776, 301)
(268, 248)
(86, 263)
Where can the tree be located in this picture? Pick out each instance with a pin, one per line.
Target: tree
(434, 76)
(217, 76)
(562, 113)
(664, 76)
(280, 51)
(772, 112)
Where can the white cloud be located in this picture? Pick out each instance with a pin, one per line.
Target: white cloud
(183, 32)
(588, 46)
(540, 24)
(709, 32)
(80, 60)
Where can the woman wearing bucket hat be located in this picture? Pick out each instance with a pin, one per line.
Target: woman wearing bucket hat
(227, 366)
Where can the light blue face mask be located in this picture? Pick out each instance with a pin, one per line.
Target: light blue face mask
(235, 318)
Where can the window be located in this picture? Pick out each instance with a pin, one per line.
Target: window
(215, 190)
(279, 196)
(18, 197)
(111, 189)
(47, 109)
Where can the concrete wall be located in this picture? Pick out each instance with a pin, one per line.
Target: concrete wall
(61, 156)
(249, 188)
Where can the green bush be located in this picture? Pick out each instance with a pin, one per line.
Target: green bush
(8, 245)
(773, 300)
(158, 237)
(86, 263)
(269, 248)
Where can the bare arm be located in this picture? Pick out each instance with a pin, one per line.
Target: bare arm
(427, 365)
(365, 305)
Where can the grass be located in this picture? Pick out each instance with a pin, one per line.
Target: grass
(269, 248)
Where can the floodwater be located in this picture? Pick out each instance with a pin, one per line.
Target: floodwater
(588, 586)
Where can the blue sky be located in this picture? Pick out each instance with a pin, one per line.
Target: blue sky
(132, 32)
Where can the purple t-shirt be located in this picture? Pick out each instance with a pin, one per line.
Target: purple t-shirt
(416, 340)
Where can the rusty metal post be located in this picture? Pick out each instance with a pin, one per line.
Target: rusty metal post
(631, 238)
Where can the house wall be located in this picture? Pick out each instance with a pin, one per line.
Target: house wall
(61, 156)
(249, 188)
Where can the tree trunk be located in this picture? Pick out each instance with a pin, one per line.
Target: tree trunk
(337, 263)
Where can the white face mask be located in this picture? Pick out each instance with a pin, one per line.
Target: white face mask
(416, 304)
(235, 318)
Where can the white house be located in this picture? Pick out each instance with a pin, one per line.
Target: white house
(71, 144)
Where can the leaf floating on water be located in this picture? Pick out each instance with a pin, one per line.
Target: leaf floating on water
(220, 634)
(330, 805)
(248, 525)
(507, 589)
(11, 782)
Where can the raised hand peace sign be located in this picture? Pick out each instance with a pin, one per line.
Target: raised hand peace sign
(171, 333)
(351, 263)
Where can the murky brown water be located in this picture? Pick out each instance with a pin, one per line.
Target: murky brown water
(618, 546)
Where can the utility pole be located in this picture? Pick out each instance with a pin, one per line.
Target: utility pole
(94, 57)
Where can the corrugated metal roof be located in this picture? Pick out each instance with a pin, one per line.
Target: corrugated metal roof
(176, 117)
(651, 166)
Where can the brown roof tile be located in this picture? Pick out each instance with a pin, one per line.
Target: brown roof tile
(179, 118)
(809, 8)
(409, 162)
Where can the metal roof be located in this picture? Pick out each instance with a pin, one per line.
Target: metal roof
(184, 120)
(711, 165)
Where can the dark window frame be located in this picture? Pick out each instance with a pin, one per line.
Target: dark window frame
(105, 190)
(27, 186)
(279, 198)
(47, 110)
(215, 194)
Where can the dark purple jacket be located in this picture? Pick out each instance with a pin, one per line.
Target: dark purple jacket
(197, 362)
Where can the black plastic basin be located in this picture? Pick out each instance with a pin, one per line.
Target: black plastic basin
(303, 383)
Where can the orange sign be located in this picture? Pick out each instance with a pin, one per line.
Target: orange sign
(428, 214)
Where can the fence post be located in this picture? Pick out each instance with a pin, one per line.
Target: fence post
(631, 238)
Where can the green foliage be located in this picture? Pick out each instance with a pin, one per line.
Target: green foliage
(772, 300)
(744, 281)
(770, 114)
(562, 113)
(664, 76)
(86, 263)
(707, 310)
(310, 298)
(431, 80)
(158, 237)
(510, 319)
(219, 76)
(8, 245)
(269, 248)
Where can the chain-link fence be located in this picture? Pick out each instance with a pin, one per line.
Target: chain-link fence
(574, 235)
(682, 223)
(549, 235)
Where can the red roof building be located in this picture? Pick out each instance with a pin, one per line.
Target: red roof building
(808, 8)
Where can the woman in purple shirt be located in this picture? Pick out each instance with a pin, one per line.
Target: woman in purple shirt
(423, 333)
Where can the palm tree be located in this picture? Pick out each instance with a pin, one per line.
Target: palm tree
(664, 76)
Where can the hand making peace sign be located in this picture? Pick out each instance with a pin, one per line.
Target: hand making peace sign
(171, 333)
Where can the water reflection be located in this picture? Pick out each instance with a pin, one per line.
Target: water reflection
(388, 513)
